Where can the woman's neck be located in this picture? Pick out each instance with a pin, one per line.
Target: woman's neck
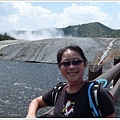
(76, 84)
(72, 88)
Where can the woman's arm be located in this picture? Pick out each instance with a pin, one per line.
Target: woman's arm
(34, 106)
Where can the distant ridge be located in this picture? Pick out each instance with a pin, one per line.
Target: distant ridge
(88, 30)
(94, 29)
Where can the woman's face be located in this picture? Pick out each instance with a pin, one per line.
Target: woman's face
(73, 73)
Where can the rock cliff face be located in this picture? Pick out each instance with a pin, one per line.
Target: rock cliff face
(46, 50)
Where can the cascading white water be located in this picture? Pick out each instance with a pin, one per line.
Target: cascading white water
(105, 53)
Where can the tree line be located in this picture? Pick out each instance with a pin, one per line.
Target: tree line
(5, 36)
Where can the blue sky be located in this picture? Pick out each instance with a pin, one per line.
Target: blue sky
(35, 15)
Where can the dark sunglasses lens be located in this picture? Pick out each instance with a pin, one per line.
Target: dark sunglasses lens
(67, 63)
(77, 62)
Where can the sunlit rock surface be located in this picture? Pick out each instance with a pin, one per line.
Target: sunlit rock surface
(46, 50)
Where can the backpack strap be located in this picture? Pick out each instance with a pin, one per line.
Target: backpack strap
(56, 90)
(102, 81)
(93, 90)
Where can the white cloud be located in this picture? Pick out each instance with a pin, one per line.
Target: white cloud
(27, 9)
(28, 17)
(83, 14)
(13, 18)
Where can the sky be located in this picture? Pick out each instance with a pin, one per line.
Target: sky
(31, 16)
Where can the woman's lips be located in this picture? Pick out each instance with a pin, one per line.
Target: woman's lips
(72, 73)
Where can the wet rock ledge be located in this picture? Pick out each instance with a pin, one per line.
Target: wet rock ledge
(46, 50)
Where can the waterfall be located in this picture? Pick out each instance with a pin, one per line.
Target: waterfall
(105, 53)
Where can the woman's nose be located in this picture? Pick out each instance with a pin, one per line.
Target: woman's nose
(71, 65)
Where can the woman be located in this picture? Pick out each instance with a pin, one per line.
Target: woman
(73, 98)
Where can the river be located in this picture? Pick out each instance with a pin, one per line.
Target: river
(20, 82)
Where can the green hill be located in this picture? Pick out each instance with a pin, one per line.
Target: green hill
(95, 29)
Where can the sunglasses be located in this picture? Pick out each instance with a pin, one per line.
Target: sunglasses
(74, 62)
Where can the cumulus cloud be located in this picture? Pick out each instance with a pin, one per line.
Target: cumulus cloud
(25, 16)
(82, 14)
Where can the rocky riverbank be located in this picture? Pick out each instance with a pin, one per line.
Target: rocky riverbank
(46, 50)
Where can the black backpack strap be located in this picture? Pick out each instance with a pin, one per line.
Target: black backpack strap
(56, 90)
(93, 91)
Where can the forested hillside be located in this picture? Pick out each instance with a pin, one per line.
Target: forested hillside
(95, 29)
(5, 37)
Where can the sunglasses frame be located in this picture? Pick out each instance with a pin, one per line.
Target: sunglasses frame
(68, 63)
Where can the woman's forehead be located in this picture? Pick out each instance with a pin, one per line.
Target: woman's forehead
(68, 51)
(70, 54)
